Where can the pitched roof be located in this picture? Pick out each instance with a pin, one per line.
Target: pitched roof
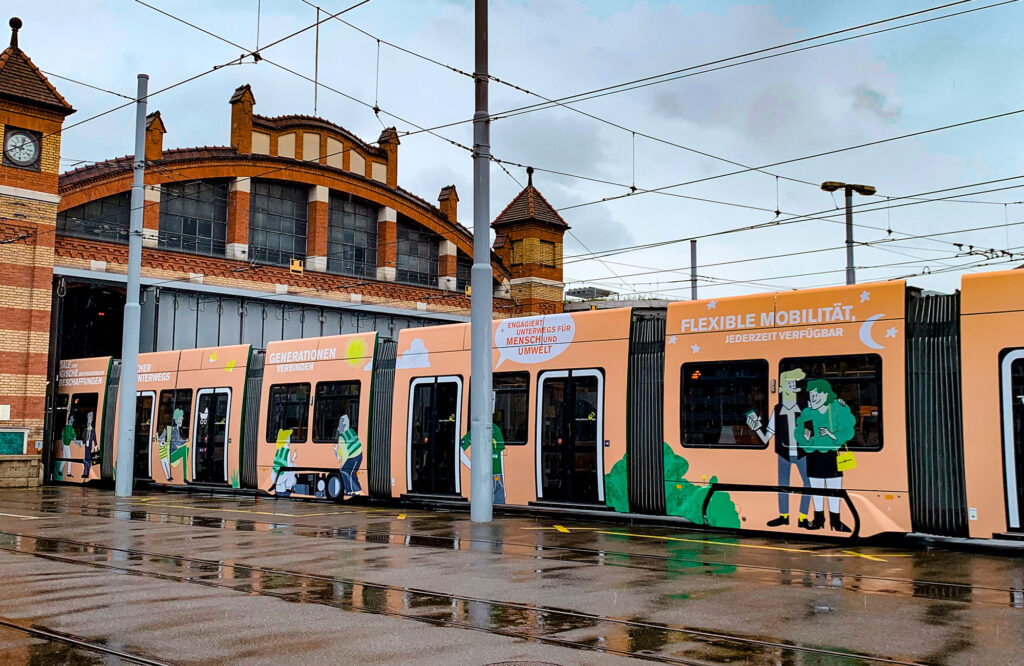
(21, 81)
(530, 205)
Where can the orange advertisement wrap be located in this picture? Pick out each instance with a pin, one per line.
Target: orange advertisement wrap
(786, 411)
(78, 419)
(559, 399)
(315, 416)
(188, 416)
(992, 362)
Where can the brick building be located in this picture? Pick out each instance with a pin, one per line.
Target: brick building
(295, 228)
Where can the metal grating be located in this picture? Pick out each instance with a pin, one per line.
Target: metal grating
(109, 426)
(251, 419)
(645, 396)
(381, 390)
(935, 446)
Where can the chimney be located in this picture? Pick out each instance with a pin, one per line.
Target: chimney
(155, 131)
(242, 102)
(389, 143)
(448, 202)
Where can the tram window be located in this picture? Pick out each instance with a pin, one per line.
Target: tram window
(60, 414)
(332, 401)
(168, 429)
(83, 404)
(855, 380)
(715, 400)
(512, 406)
(289, 410)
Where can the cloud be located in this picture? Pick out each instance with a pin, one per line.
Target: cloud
(874, 102)
(416, 356)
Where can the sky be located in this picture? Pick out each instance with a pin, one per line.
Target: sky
(753, 114)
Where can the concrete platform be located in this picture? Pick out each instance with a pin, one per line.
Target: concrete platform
(187, 579)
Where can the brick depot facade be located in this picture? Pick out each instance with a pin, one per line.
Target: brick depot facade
(297, 227)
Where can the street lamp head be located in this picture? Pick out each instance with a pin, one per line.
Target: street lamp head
(866, 190)
(832, 185)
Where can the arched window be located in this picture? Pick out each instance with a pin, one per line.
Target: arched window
(194, 216)
(351, 237)
(277, 222)
(103, 219)
(417, 254)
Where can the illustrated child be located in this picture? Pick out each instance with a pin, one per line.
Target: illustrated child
(284, 480)
(349, 451)
(782, 425)
(497, 460)
(172, 447)
(88, 441)
(822, 429)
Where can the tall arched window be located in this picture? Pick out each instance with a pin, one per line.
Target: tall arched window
(194, 216)
(277, 222)
(417, 254)
(103, 219)
(351, 237)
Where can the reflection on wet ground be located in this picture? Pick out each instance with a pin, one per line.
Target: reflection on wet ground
(654, 593)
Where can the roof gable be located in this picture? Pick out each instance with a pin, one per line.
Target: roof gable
(21, 81)
(530, 206)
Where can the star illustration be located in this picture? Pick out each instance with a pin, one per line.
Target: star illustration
(213, 357)
(865, 296)
(891, 333)
(672, 339)
(712, 305)
(695, 349)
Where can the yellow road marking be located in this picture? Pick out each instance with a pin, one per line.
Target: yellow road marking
(864, 555)
(561, 529)
(401, 516)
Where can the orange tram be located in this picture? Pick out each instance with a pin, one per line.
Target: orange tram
(845, 412)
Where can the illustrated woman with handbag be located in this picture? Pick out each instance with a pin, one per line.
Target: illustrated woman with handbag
(823, 429)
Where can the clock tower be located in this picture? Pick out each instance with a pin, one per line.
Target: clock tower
(31, 115)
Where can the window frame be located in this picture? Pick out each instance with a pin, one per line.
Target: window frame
(683, 373)
(354, 422)
(415, 239)
(117, 218)
(80, 426)
(187, 412)
(857, 448)
(272, 438)
(210, 198)
(263, 251)
(554, 256)
(434, 380)
(342, 256)
(525, 391)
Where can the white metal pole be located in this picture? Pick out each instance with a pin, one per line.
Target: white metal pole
(124, 470)
(693, 269)
(481, 415)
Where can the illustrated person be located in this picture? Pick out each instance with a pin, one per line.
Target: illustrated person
(349, 451)
(283, 480)
(172, 448)
(497, 461)
(66, 437)
(822, 429)
(88, 441)
(782, 425)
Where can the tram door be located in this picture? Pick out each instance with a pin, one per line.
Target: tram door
(570, 424)
(211, 435)
(434, 417)
(143, 432)
(1013, 435)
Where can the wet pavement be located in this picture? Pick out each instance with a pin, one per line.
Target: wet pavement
(175, 578)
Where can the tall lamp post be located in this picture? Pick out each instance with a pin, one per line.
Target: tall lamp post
(866, 190)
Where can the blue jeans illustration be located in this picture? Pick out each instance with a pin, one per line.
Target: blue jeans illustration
(349, 476)
(785, 466)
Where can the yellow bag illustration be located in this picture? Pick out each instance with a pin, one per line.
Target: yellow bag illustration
(845, 460)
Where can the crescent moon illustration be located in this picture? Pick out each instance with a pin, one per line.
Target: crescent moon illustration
(865, 332)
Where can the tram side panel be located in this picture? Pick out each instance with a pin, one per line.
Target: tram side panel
(78, 423)
(800, 390)
(992, 358)
(315, 416)
(559, 428)
(188, 415)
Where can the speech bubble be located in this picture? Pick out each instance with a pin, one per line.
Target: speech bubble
(533, 339)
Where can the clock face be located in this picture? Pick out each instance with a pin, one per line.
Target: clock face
(21, 148)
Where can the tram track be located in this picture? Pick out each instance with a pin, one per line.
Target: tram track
(907, 587)
(77, 642)
(543, 624)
